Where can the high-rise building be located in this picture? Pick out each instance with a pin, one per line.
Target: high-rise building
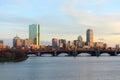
(89, 35)
(62, 43)
(34, 33)
(17, 42)
(54, 42)
(89, 39)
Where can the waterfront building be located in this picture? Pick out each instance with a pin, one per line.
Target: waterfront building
(90, 44)
(17, 42)
(34, 33)
(62, 43)
(80, 41)
(54, 42)
(101, 45)
(89, 35)
(105, 46)
(70, 44)
(27, 43)
(89, 38)
(75, 43)
(1, 44)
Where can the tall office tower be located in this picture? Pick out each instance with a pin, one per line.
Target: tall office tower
(34, 33)
(89, 35)
(54, 42)
(17, 42)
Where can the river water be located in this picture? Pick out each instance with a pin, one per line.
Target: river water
(62, 68)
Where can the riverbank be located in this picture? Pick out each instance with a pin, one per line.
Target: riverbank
(12, 60)
(13, 55)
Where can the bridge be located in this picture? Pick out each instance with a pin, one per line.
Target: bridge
(92, 52)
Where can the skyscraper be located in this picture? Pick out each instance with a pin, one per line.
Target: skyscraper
(54, 42)
(89, 35)
(34, 33)
(89, 38)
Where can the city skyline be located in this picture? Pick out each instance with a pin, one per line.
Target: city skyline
(61, 19)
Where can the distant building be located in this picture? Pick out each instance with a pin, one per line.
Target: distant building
(54, 42)
(105, 46)
(34, 33)
(89, 35)
(75, 43)
(62, 43)
(70, 44)
(1, 41)
(27, 43)
(17, 42)
(80, 41)
(1, 44)
(89, 38)
(100, 45)
(90, 44)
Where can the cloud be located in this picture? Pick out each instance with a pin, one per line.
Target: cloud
(114, 33)
(86, 16)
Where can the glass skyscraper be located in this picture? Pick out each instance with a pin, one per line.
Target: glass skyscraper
(89, 35)
(34, 33)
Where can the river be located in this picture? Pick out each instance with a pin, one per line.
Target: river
(62, 68)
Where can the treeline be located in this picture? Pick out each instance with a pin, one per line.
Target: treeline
(9, 55)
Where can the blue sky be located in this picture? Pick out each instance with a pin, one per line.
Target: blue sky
(61, 19)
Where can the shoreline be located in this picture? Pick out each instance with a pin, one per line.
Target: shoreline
(13, 60)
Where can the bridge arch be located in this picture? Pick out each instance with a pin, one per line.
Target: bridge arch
(104, 54)
(83, 54)
(111, 53)
(33, 53)
(46, 53)
(59, 53)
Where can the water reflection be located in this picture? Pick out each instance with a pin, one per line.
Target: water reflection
(62, 68)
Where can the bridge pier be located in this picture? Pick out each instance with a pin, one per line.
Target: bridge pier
(93, 54)
(70, 53)
(74, 53)
(40, 54)
(112, 54)
(54, 53)
(97, 53)
(36, 54)
(116, 53)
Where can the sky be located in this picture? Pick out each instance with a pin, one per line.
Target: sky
(61, 19)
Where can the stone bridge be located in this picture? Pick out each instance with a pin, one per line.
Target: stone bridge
(76, 52)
